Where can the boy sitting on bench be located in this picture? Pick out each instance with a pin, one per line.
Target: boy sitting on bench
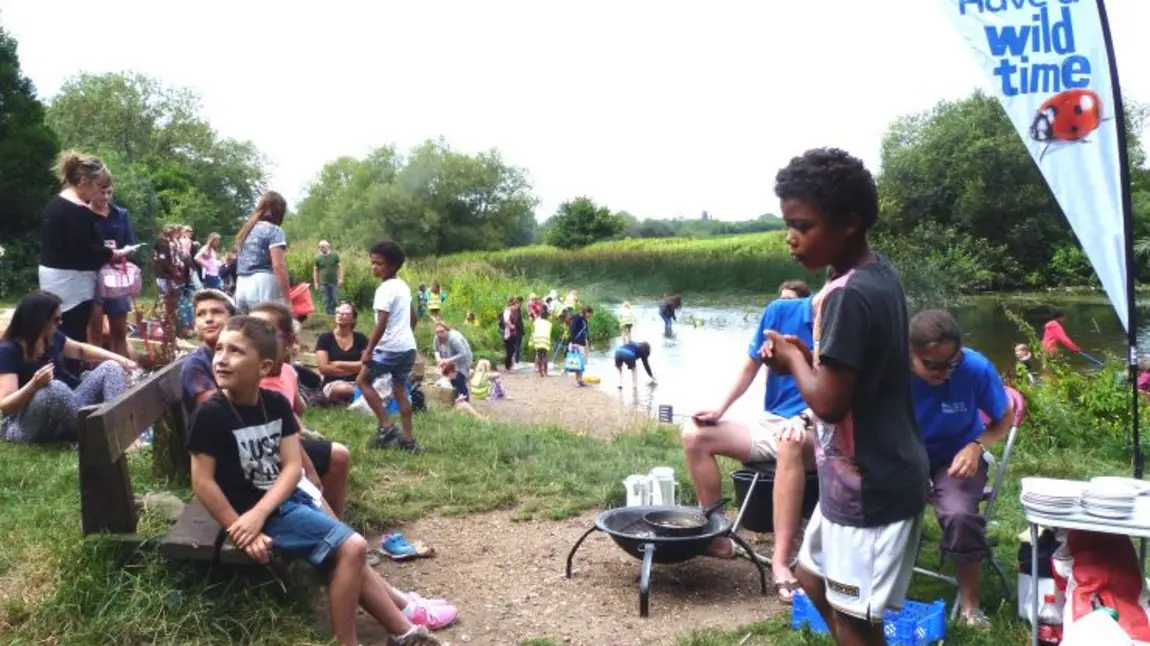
(246, 465)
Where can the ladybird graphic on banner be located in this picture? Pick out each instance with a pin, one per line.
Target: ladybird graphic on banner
(1049, 65)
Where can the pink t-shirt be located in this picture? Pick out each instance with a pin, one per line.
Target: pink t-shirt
(210, 262)
(286, 384)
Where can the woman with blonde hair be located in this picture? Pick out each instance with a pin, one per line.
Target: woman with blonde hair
(71, 249)
(261, 266)
(209, 261)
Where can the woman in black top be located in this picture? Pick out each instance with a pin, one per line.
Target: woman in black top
(338, 354)
(71, 249)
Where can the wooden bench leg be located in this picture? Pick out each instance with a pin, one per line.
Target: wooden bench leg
(106, 503)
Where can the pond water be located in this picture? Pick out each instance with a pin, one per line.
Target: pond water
(697, 365)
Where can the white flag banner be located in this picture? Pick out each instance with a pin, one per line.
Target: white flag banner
(1048, 62)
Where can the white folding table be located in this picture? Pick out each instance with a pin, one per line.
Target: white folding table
(1137, 526)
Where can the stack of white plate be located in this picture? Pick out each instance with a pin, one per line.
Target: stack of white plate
(1052, 497)
(1110, 499)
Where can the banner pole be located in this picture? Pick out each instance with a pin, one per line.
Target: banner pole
(1128, 226)
(1131, 261)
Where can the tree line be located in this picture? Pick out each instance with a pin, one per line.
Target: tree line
(960, 195)
(168, 164)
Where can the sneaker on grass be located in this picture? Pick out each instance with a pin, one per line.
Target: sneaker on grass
(387, 437)
(433, 617)
(397, 547)
(411, 446)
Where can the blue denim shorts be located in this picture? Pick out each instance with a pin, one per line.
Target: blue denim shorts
(115, 306)
(304, 531)
(396, 364)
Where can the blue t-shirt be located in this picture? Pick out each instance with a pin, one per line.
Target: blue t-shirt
(196, 377)
(947, 414)
(12, 360)
(785, 316)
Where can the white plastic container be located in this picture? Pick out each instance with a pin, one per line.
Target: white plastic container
(1095, 629)
(663, 479)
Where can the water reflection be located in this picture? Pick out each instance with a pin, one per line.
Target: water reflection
(696, 366)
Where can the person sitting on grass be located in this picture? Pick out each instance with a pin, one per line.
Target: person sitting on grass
(39, 405)
(246, 467)
(626, 355)
(326, 464)
(331, 461)
(779, 435)
(339, 354)
(391, 347)
(459, 386)
(952, 384)
(541, 340)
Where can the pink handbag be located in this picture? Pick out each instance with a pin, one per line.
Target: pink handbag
(119, 280)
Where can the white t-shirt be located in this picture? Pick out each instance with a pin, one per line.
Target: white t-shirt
(394, 297)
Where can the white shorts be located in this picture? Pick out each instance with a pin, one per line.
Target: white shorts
(256, 288)
(866, 569)
(764, 437)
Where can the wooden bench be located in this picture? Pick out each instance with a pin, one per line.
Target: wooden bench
(107, 432)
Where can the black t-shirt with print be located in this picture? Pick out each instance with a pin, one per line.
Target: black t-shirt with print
(245, 441)
(873, 469)
(327, 343)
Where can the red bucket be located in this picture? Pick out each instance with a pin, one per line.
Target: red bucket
(301, 303)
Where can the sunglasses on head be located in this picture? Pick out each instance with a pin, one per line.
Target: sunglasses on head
(940, 366)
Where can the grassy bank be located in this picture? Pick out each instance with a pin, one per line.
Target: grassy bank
(935, 272)
(58, 588)
(752, 263)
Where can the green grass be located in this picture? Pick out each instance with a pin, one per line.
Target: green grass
(94, 592)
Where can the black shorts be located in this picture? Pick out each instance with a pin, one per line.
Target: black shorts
(630, 363)
(320, 453)
(540, 354)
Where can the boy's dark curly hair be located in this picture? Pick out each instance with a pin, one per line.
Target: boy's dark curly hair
(833, 182)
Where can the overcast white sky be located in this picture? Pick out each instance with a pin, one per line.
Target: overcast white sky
(659, 107)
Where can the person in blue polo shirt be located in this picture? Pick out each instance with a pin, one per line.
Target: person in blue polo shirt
(778, 435)
(951, 384)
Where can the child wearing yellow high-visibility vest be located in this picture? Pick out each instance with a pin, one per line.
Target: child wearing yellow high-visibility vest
(626, 320)
(541, 340)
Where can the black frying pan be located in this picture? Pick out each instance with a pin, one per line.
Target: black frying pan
(681, 522)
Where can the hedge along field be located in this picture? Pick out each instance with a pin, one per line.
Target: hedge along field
(470, 285)
(749, 263)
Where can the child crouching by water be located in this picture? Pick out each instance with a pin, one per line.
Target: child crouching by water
(246, 466)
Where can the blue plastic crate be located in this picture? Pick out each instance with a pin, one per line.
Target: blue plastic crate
(917, 624)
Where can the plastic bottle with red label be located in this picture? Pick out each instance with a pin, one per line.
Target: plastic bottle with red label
(1049, 623)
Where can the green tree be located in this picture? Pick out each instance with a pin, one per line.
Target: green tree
(170, 165)
(27, 151)
(963, 166)
(432, 201)
(580, 222)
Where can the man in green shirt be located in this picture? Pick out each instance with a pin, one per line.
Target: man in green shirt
(327, 272)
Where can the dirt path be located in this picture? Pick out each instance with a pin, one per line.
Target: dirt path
(507, 577)
(556, 400)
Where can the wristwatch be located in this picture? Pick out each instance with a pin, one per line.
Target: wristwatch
(807, 421)
(979, 443)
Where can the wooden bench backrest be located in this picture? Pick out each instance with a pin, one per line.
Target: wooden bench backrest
(105, 435)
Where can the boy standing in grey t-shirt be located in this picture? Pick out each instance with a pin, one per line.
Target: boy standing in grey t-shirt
(859, 549)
